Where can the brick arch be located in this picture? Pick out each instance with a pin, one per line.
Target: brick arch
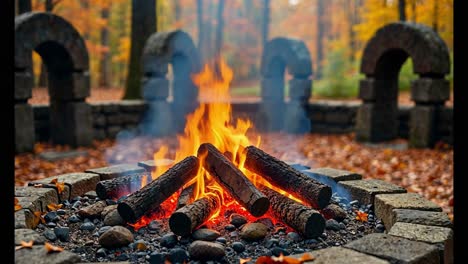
(278, 55)
(382, 59)
(175, 48)
(64, 53)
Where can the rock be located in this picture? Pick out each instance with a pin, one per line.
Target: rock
(61, 212)
(38, 255)
(379, 228)
(51, 224)
(205, 234)
(155, 225)
(101, 253)
(254, 231)
(24, 234)
(364, 191)
(91, 194)
(178, 255)
(271, 242)
(122, 256)
(336, 255)
(293, 236)
(50, 235)
(203, 250)
(113, 218)
(276, 251)
(168, 240)
(116, 236)
(221, 240)
(73, 219)
(238, 247)
(230, 227)
(266, 221)
(332, 224)
(157, 258)
(107, 210)
(51, 217)
(116, 170)
(62, 233)
(422, 217)
(333, 174)
(92, 211)
(76, 205)
(103, 229)
(333, 211)
(87, 226)
(237, 220)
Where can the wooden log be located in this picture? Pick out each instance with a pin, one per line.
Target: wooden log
(120, 186)
(233, 180)
(305, 220)
(334, 211)
(153, 194)
(186, 219)
(186, 196)
(287, 178)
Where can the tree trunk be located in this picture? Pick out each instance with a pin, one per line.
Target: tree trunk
(266, 22)
(104, 64)
(49, 5)
(435, 16)
(413, 10)
(143, 25)
(320, 32)
(402, 10)
(24, 6)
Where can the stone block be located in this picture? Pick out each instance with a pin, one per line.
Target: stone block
(441, 237)
(422, 217)
(24, 218)
(99, 133)
(422, 126)
(79, 183)
(385, 203)
(272, 89)
(46, 183)
(295, 118)
(337, 117)
(40, 256)
(44, 195)
(24, 82)
(70, 89)
(159, 120)
(132, 106)
(26, 235)
(184, 90)
(154, 88)
(99, 120)
(30, 202)
(55, 155)
(334, 174)
(396, 249)
(109, 108)
(71, 123)
(429, 90)
(365, 190)
(340, 255)
(116, 170)
(114, 119)
(372, 90)
(270, 116)
(151, 165)
(112, 131)
(377, 122)
(300, 89)
(24, 128)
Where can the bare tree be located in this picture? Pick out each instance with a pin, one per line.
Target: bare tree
(104, 64)
(435, 15)
(320, 34)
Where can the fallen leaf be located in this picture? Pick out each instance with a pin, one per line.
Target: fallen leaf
(361, 216)
(60, 186)
(39, 217)
(25, 244)
(54, 181)
(242, 261)
(38, 185)
(141, 246)
(284, 259)
(17, 206)
(51, 248)
(54, 207)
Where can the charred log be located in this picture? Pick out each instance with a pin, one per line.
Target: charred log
(233, 180)
(153, 194)
(305, 220)
(333, 211)
(186, 196)
(117, 187)
(281, 174)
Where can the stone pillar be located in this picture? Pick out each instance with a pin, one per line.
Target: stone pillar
(296, 119)
(271, 113)
(24, 118)
(71, 123)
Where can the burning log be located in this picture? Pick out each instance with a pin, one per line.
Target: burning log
(233, 180)
(183, 221)
(307, 221)
(186, 196)
(156, 192)
(281, 174)
(117, 187)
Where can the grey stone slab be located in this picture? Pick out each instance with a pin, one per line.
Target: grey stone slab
(385, 203)
(26, 235)
(376, 122)
(154, 88)
(365, 190)
(422, 126)
(150, 165)
(272, 88)
(44, 195)
(54, 155)
(46, 183)
(39, 255)
(300, 89)
(442, 237)
(334, 174)
(79, 182)
(24, 82)
(24, 128)
(396, 249)
(132, 106)
(430, 90)
(116, 170)
(24, 218)
(340, 255)
(32, 203)
(422, 217)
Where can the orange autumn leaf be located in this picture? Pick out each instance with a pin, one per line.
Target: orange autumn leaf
(242, 261)
(38, 185)
(39, 217)
(361, 216)
(54, 181)
(51, 248)
(60, 185)
(17, 206)
(54, 207)
(25, 244)
(284, 259)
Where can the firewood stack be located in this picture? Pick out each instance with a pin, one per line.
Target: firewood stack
(190, 213)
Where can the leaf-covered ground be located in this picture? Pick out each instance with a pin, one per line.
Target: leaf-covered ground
(425, 171)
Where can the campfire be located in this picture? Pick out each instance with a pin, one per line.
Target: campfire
(218, 168)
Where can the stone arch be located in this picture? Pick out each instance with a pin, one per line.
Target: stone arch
(384, 54)
(278, 55)
(64, 53)
(162, 49)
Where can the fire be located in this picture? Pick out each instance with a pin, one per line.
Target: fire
(212, 122)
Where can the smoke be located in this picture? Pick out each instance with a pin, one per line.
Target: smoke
(337, 189)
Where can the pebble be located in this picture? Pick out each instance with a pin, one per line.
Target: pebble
(62, 233)
(332, 224)
(87, 226)
(276, 251)
(237, 220)
(354, 203)
(230, 227)
(113, 218)
(169, 240)
(284, 244)
(178, 255)
(74, 219)
(51, 224)
(122, 257)
(103, 229)
(379, 228)
(155, 225)
(101, 253)
(266, 221)
(50, 235)
(184, 240)
(157, 258)
(76, 205)
(234, 234)
(204, 250)
(254, 231)
(116, 236)
(311, 241)
(342, 226)
(205, 234)
(271, 242)
(221, 240)
(238, 247)
(51, 217)
(293, 236)
(361, 228)
(61, 212)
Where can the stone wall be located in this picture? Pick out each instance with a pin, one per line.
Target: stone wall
(327, 117)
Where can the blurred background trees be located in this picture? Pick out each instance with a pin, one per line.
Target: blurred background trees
(335, 32)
